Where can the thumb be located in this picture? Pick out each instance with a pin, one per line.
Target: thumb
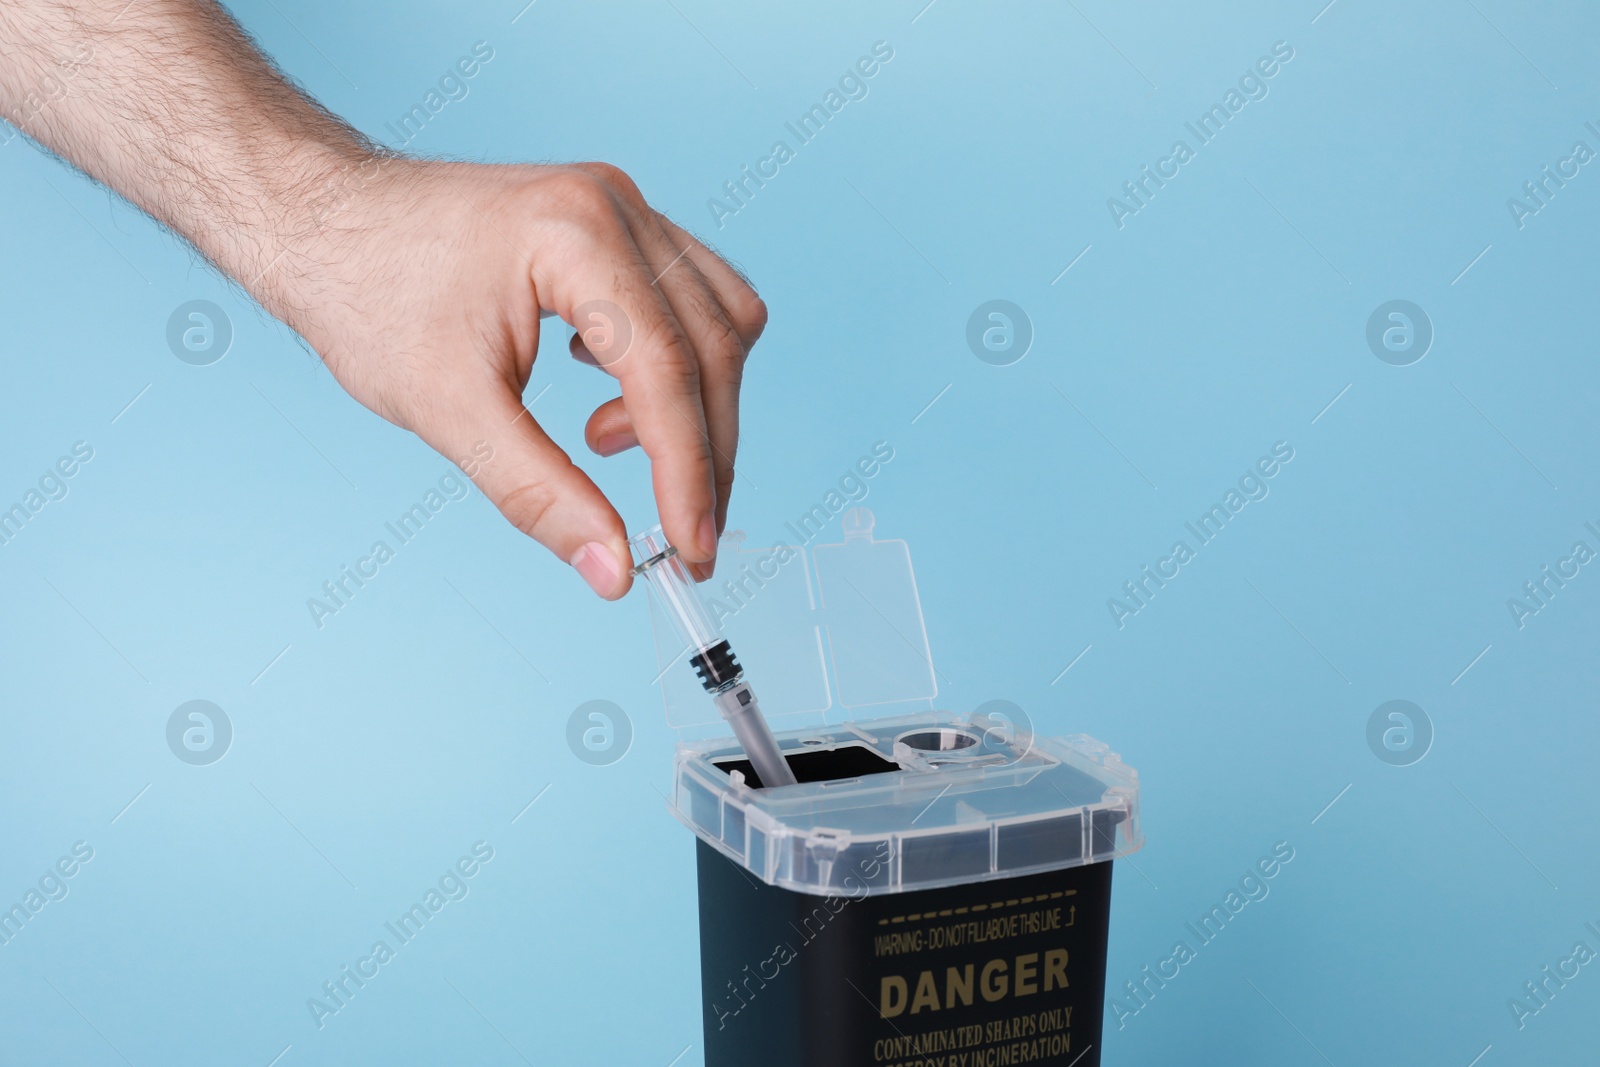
(538, 488)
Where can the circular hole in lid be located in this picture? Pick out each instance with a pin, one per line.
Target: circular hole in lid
(813, 741)
(946, 741)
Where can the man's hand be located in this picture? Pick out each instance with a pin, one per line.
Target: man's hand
(421, 284)
(428, 313)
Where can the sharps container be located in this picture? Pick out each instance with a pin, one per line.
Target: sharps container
(936, 887)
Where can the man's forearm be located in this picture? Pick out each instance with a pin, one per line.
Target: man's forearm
(169, 103)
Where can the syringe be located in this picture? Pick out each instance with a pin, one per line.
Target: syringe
(712, 657)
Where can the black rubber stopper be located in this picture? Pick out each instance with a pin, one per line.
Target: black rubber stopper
(716, 666)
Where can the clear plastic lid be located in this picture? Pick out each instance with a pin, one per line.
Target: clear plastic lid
(893, 794)
(924, 801)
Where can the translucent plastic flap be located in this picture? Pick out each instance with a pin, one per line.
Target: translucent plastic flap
(876, 635)
(820, 630)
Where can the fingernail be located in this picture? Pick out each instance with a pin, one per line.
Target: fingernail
(708, 535)
(612, 443)
(597, 566)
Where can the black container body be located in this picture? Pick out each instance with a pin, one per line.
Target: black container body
(1009, 971)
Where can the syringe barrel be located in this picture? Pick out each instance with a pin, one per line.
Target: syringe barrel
(738, 705)
(672, 582)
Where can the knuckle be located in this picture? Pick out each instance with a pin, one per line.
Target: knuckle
(615, 178)
(606, 172)
(682, 371)
(529, 505)
(725, 354)
(723, 341)
(675, 371)
(719, 339)
(749, 314)
(582, 197)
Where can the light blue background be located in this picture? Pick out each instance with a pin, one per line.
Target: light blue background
(1223, 318)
